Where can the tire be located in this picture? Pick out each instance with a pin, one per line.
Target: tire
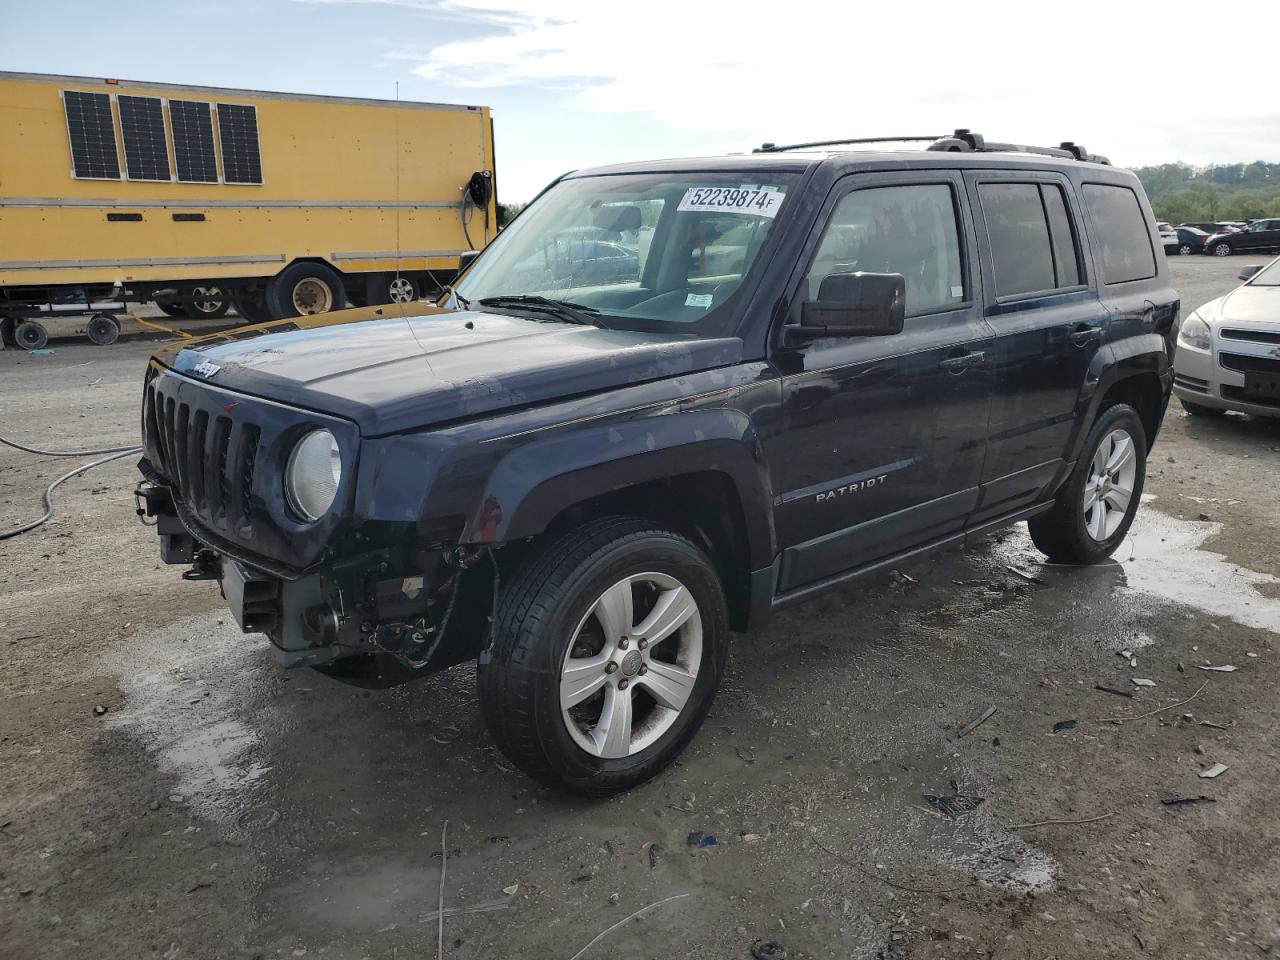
(103, 329)
(178, 310)
(31, 335)
(548, 613)
(305, 289)
(1200, 410)
(205, 301)
(388, 288)
(1070, 532)
(252, 307)
(1222, 249)
(7, 325)
(1185, 250)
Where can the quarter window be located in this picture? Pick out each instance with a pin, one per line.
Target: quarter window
(911, 230)
(1122, 234)
(1032, 246)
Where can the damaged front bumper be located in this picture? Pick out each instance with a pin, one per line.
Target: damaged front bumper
(383, 615)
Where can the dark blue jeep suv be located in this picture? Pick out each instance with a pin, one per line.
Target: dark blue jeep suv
(799, 366)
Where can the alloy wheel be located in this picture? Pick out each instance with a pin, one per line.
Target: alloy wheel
(1109, 488)
(631, 666)
(401, 290)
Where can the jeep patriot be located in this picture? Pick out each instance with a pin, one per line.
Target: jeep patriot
(668, 399)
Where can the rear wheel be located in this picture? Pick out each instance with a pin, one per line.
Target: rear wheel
(1221, 249)
(304, 289)
(1185, 249)
(205, 301)
(178, 310)
(252, 306)
(31, 335)
(390, 288)
(608, 650)
(1093, 511)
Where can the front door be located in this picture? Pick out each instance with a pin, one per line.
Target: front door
(1048, 322)
(883, 437)
(1261, 235)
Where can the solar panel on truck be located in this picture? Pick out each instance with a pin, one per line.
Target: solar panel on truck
(238, 136)
(193, 153)
(146, 151)
(92, 131)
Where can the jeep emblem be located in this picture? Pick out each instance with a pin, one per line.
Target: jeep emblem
(205, 368)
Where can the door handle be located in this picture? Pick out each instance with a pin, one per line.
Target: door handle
(1083, 334)
(963, 362)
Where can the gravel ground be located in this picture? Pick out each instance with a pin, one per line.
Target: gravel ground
(222, 807)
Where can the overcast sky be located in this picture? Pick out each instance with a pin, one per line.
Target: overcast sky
(576, 83)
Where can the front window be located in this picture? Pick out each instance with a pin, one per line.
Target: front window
(1268, 276)
(656, 252)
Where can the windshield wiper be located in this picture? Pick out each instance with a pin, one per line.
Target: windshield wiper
(561, 309)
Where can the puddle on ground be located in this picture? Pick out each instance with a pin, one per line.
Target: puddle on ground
(1163, 556)
(192, 692)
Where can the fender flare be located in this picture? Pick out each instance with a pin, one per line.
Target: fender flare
(1145, 354)
(537, 481)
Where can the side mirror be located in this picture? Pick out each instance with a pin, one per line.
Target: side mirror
(853, 305)
(1246, 273)
(466, 259)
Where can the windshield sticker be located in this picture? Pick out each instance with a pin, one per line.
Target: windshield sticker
(702, 300)
(756, 201)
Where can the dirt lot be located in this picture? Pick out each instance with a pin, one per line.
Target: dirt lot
(222, 807)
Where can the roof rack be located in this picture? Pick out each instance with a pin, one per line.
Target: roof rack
(775, 148)
(961, 141)
(966, 141)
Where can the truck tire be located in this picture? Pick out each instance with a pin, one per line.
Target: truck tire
(31, 335)
(103, 329)
(205, 301)
(252, 307)
(177, 310)
(304, 289)
(388, 288)
(608, 648)
(1095, 507)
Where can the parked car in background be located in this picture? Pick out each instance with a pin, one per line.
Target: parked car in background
(1261, 236)
(1228, 354)
(1191, 240)
(1212, 226)
(1168, 236)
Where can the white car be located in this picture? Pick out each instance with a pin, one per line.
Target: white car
(1228, 355)
(1168, 236)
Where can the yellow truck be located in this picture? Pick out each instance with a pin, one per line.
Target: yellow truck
(201, 198)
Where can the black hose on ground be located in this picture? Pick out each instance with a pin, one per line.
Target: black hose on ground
(115, 453)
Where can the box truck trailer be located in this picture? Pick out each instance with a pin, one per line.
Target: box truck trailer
(204, 198)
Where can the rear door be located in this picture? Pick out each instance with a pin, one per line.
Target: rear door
(1048, 321)
(882, 440)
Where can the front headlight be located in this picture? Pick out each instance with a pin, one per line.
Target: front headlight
(312, 476)
(1195, 333)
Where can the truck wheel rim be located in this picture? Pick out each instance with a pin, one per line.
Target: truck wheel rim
(630, 669)
(401, 290)
(312, 296)
(206, 299)
(1108, 490)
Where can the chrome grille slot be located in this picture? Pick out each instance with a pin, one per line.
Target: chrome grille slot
(197, 471)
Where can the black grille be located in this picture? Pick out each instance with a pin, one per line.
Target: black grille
(1238, 393)
(1244, 363)
(1257, 336)
(211, 460)
(1191, 383)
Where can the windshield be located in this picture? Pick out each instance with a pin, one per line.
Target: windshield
(656, 252)
(1268, 276)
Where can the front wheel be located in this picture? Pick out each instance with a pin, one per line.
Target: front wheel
(1093, 511)
(608, 650)
(1185, 249)
(1221, 249)
(206, 301)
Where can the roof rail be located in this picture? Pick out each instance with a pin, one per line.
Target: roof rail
(962, 141)
(775, 148)
(966, 141)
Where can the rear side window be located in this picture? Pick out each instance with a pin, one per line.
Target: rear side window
(1122, 236)
(1032, 245)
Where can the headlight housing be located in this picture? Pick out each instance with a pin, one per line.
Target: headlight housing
(311, 479)
(1195, 333)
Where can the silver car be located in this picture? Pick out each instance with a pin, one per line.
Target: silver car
(1228, 355)
(1168, 236)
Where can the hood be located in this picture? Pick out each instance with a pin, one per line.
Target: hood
(1246, 305)
(424, 366)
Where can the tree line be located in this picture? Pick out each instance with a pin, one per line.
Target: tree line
(1180, 192)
